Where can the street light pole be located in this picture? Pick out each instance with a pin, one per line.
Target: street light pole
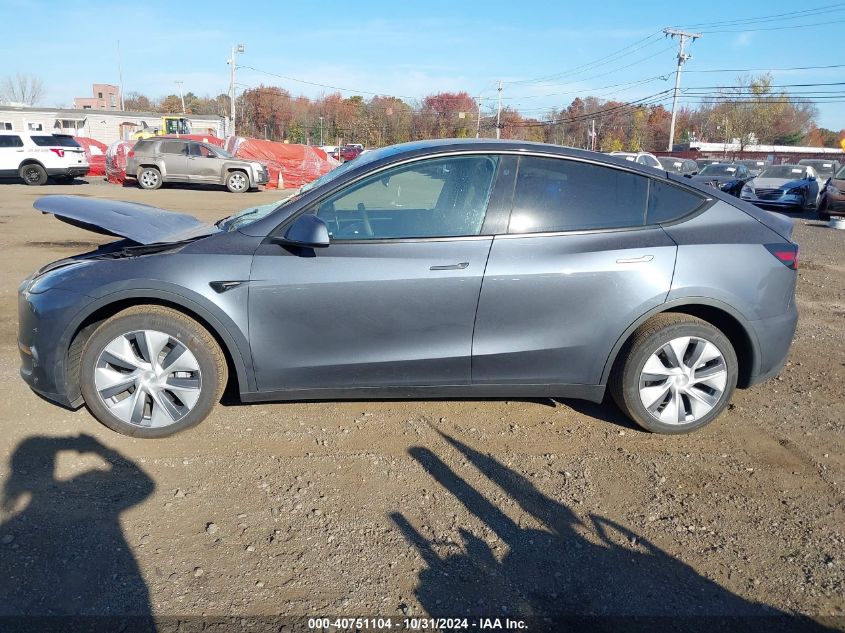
(181, 95)
(499, 112)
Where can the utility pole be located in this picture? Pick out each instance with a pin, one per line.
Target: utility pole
(478, 123)
(682, 58)
(321, 131)
(232, 66)
(593, 135)
(181, 96)
(499, 112)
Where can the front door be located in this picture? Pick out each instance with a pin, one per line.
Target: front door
(203, 163)
(392, 300)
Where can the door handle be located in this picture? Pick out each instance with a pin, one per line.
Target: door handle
(635, 260)
(459, 266)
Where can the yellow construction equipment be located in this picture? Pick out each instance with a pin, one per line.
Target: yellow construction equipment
(171, 125)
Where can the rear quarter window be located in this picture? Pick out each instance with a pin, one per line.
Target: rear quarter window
(667, 203)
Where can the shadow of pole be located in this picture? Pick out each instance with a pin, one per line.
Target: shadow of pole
(63, 559)
(557, 578)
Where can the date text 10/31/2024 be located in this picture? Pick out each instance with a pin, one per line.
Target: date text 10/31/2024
(417, 624)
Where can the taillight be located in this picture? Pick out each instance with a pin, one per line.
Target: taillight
(58, 152)
(786, 253)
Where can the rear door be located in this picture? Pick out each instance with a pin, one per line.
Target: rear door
(580, 262)
(175, 155)
(392, 300)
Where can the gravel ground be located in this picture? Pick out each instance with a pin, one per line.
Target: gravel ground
(444, 508)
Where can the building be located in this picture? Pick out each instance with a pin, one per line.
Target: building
(105, 97)
(774, 154)
(105, 126)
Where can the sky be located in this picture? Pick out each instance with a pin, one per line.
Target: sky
(546, 53)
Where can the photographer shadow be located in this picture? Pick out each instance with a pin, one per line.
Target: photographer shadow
(63, 558)
(557, 578)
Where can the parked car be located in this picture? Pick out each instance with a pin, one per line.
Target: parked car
(832, 200)
(754, 166)
(350, 151)
(598, 275)
(154, 161)
(785, 186)
(729, 177)
(35, 157)
(825, 169)
(683, 166)
(641, 158)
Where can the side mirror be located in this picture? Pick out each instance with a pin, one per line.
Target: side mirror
(306, 230)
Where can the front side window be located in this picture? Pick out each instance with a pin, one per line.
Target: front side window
(555, 194)
(197, 149)
(440, 197)
(10, 141)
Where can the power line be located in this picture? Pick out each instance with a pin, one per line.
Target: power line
(789, 15)
(775, 28)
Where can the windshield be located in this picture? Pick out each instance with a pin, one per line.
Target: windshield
(718, 169)
(250, 215)
(840, 175)
(793, 172)
(671, 164)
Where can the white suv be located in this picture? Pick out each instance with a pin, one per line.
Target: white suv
(35, 156)
(643, 158)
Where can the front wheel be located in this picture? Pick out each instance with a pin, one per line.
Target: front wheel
(676, 374)
(150, 371)
(237, 182)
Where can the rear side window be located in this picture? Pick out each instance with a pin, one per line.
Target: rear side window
(65, 141)
(45, 141)
(173, 147)
(667, 203)
(553, 194)
(10, 141)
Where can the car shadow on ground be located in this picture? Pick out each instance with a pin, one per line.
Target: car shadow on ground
(556, 576)
(64, 562)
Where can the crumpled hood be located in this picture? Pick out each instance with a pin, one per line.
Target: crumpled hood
(140, 223)
(776, 183)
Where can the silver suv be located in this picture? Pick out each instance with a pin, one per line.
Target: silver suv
(155, 161)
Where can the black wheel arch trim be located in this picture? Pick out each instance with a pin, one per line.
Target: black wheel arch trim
(683, 302)
(236, 346)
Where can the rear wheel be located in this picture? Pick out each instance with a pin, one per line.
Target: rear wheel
(676, 374)
(33, 174)
(149, 178)
(151, 371)
(237, 182)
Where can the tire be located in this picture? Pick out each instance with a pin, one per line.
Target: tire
(701, 398)
(237, 182)
(33, 174)
(149, 178)
(174, 394)
(822, 210)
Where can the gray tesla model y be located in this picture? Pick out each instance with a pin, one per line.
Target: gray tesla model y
(431, 269)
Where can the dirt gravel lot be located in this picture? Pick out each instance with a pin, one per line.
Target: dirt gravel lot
(445, 508)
